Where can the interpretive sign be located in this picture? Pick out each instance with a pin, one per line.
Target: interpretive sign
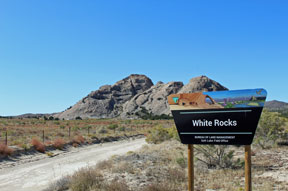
(221, 117)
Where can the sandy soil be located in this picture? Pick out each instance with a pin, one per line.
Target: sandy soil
(34, 173)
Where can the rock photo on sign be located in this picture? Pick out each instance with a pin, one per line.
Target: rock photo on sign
(220, 117)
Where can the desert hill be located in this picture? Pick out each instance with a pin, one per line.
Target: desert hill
(133, 97)
(275, 105)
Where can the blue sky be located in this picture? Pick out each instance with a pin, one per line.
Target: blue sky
(53, 53)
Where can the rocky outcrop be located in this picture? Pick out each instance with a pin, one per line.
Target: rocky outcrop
(134, 97)
(153, 100)
(202, 83)
(107, 101)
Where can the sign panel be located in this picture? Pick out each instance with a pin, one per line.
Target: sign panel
(221, 117)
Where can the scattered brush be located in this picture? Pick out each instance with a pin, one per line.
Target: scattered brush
(38, 145)
(59, 144)
(79, 139)
(5, 150)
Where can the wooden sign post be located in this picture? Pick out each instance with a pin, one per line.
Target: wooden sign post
(248, 180)
(190, 167)
(218, 118)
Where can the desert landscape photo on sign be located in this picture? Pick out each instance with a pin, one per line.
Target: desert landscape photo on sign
(218, 100)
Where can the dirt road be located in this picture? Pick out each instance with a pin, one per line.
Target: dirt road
(37, 175)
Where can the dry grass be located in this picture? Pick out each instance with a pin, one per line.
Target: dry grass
(59, 185)
(159, 187)
(79, 139)
(116, 186)
(153, 168)
(21, 131)
(38, 145)
(156, 168)
(86, 179)
(122, 167)
(5, 150)
(59, 143)
(104, 165)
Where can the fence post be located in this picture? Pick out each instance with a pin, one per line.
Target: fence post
(43, 136)
(69, 132)
(6, 138)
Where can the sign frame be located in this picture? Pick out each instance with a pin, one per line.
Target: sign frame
(200, 112)
(227, 118)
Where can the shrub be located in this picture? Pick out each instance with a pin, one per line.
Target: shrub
(146, 115)
(60, 185)
(57, 122)
(157, 135)
(79, 139)
(49, 154)
(122, 128)
(158, 187)
(5, 150)
(102, 130)
(48, 143)
(86, 179)
(60, 134)
(177, 175)
(38, 145)
(105, 164)
(76, 128)
(217, 156)
(123, 167)
(24, 146)
(113, 127)
(59, 143)
(284, 140)
(78, 118)
(116, 186)
(173, 133)
(270, 129)
(182, 162)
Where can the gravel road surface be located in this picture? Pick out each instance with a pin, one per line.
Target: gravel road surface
(37, 175)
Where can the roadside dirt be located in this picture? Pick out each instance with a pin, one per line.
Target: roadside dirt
(35, 172)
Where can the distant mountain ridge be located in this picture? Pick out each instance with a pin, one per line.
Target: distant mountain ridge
(275, 105)
(31, 115)
(133, 97)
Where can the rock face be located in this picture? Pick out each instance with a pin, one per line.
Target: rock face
(202, 83)
(134, 95)
(153, 100)
(107, 101)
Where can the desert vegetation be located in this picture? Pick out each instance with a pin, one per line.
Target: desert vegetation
(163, 167)
(162, 164)
(272, 130)
(38, 134)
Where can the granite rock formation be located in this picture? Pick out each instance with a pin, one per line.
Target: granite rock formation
(107, 101)
(134, 97)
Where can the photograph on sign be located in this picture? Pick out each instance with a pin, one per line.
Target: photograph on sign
(220, 117)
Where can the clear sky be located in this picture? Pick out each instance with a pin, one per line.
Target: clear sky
(53, 53)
